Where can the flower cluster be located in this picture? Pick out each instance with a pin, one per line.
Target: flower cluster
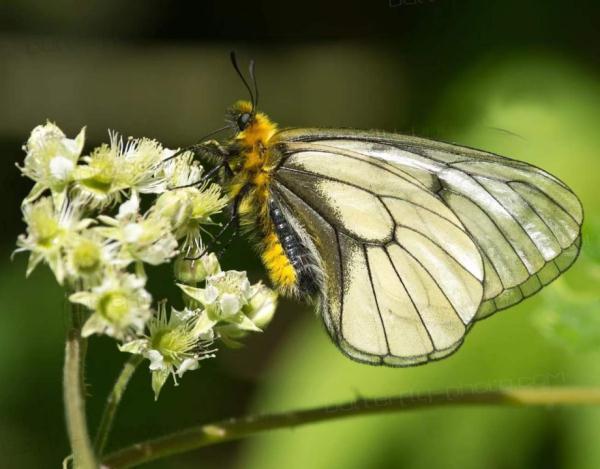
(85, 220)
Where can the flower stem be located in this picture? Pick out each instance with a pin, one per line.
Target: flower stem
(73, 394)
(236, 428)
(113, 401)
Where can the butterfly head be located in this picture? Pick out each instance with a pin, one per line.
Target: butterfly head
(241, 115)
(250, 127)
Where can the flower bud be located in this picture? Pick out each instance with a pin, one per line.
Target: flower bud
(175, 206)
(261, 307)
(196, 270)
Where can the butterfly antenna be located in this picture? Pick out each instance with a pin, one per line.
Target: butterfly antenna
(237, 69)
(251, 70)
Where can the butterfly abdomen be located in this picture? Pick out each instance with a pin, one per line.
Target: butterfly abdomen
(287, 259)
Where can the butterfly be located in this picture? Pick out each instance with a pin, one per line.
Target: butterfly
(401, 242)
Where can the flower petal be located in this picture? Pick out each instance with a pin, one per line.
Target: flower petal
(230, 304)
(157, 361)
(187, 364)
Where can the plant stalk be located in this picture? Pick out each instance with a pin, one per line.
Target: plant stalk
(113, 401)
(236, 428)
(73, 394)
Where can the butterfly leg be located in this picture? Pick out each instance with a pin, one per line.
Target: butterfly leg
(233, 222)
(211, 151)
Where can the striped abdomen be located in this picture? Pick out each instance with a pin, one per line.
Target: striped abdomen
(293, 254)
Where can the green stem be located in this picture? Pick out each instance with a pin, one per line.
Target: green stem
(73, 395)
(236, 428)
(113, 401)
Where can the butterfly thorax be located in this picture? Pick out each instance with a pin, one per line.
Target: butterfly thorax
(251, 161)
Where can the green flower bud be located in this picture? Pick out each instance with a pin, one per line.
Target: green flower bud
(261, 307)
(195, 271)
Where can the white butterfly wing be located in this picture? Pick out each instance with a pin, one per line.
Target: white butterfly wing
(418, 238)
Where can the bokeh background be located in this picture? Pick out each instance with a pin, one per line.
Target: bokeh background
(517, 78)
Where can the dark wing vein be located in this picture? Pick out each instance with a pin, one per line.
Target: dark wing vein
(434, 281)
(367, 263)
(412, 301)
(492, 221)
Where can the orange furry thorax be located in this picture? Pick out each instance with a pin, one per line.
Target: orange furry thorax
(254, 163)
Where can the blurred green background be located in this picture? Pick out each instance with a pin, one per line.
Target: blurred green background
(517, 78)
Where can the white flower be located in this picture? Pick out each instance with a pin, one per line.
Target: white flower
(173, 345)
(145, 239)
(51, 159)
(120, 305)
(231, 281)
(49, 231)
(96, 256)
(182, 170)
(224, 297)
(189, 209)
(88, 254)
(101, 178)
(259, 309)
(142, 163)
(113, 169)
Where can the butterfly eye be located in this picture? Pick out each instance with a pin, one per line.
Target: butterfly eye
(243, 120)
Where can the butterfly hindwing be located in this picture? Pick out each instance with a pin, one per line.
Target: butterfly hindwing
(404, 277)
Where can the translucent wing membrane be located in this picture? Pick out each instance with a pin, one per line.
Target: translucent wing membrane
(420, 238)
